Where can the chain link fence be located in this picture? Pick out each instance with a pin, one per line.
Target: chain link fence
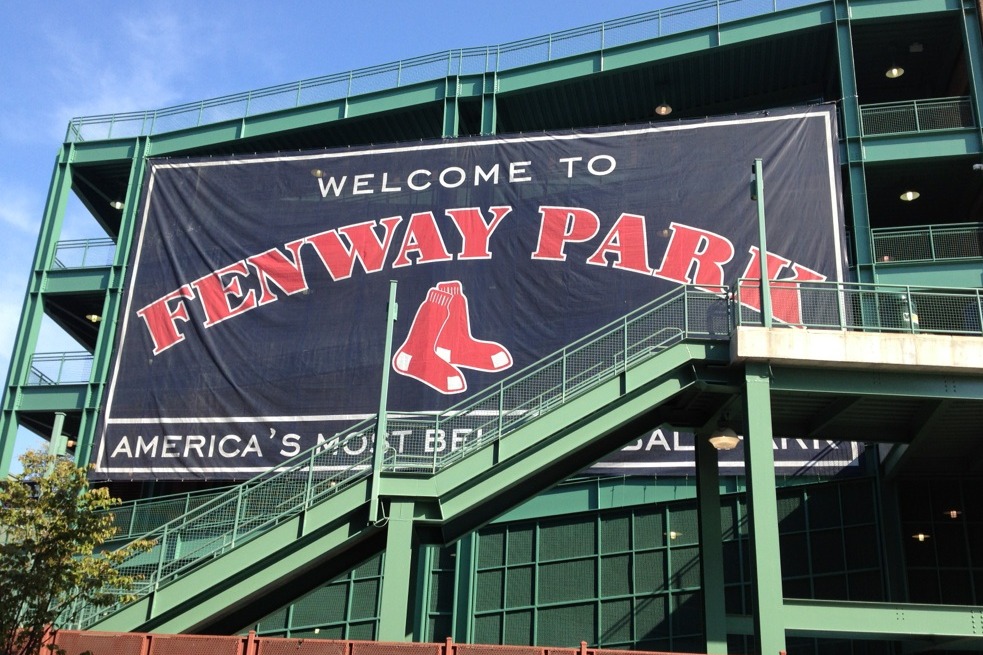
(916, 116)
(928, 243)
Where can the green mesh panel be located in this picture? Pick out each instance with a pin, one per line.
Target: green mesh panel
(567, 626)
(365, 599)
(444, 557)
(649, 530)
(370, 568)
(650, 571)
(857, 501)
(791, 515)
(363, 631)
(684, 526)
(651, 621)
(439, 628)
(441, 591)
(827, 551)
(794, 554)
(824, 507)
(728, 521)
(685, 567)
(275, 621)
(488, 629)
(521, 546)
(687, 614)
(520, 587)
(861, 547)
(332, 632)
(491, 549)
(488, 594)
(321, 606)
(518, 628)
(616, 628)
(562, 581)
(616, 575)
(615, 534)
(570, 538)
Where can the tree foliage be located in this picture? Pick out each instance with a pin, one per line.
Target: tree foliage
(51, 528)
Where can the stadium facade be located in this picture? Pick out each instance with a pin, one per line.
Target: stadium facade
(847, 521)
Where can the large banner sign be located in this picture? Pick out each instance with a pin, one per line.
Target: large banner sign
(255, 314)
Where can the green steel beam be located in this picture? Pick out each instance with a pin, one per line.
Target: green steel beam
(379, 447)
(924, 145)
(759, 465)
(863, 382)
(53, 398)
(882, 621)
(932, 274)
(78, 280)
(711, 547)
(873, 9)
(396, 611)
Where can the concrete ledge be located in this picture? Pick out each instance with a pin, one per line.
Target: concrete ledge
(870, 350)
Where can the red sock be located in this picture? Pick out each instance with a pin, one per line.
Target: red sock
(417, 358)
(455, 343)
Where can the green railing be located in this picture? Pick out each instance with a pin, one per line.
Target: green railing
(866, 307)
(468, 61)
(133, 518)
(59, 368)
(916, 116)
(240, 514)
(928, 243)
(83, 253)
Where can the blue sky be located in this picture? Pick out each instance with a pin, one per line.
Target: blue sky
(61, 59)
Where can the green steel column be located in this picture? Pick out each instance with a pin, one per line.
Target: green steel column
(57, 441)
(464, 572)
(489, 104)
(711, 546)
(395, 611)
(973, 45)
(113, 303)
(452, 116)
(759, 462)
(33, 310)
(759, 197)
(852, 133)
(380, 425)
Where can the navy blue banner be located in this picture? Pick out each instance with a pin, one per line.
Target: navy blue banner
(255, 311)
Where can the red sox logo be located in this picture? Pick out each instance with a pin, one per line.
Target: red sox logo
(440, 343)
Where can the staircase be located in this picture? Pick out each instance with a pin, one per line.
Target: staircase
(531, 430)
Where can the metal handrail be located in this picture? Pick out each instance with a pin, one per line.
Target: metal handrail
(915, 116)
(928, 243)
(83, 253)
(59, 368)
(867, 307)
(464, 61)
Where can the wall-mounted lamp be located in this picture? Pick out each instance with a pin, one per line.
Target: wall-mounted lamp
(70, 443)
(673, 535)
(116, 204)
(93, 318)
(910, 195)
(724, 439)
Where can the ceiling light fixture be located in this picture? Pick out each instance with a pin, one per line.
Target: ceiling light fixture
(116, 204)
(664, 109)
(724, 439)
(910, 195)
(894, 72)
(921, 536)
(94, 318)
(953, 513)
(317, 172)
